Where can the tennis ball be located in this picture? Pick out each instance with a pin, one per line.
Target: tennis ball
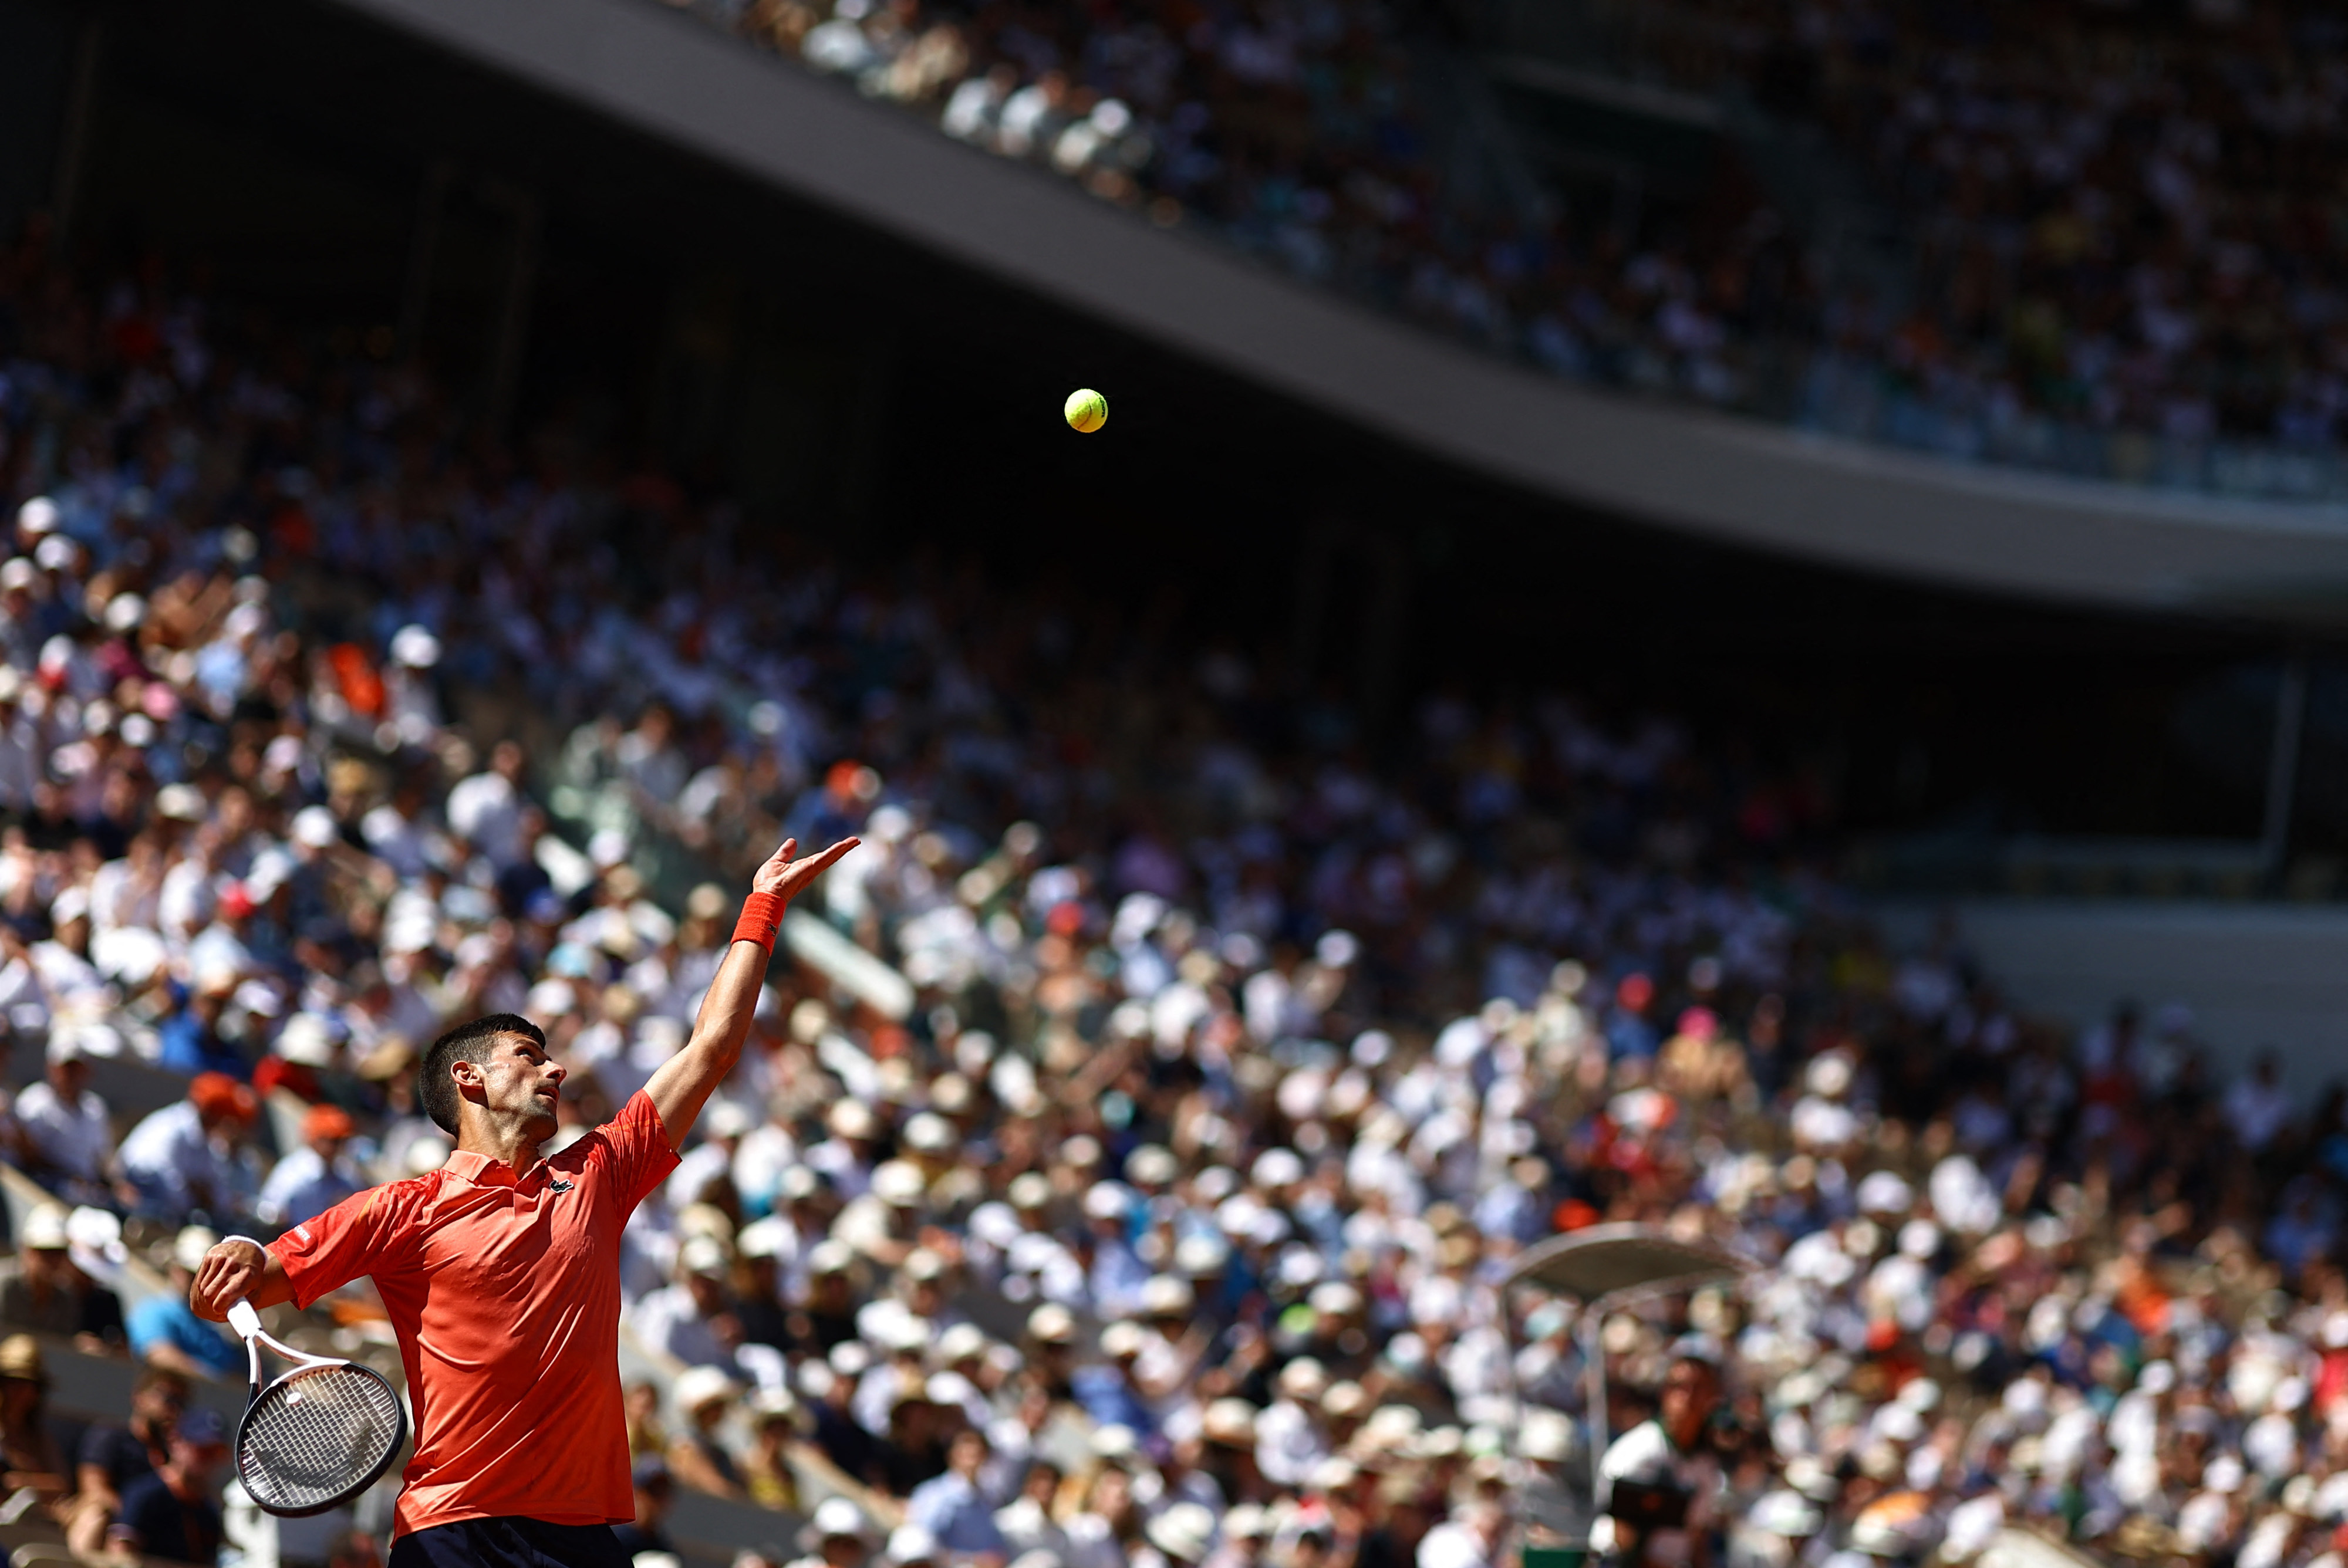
(1087, 410)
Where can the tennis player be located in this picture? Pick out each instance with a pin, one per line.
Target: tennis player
(501, 1273)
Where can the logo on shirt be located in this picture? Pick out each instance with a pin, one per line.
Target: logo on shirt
(559, 1185)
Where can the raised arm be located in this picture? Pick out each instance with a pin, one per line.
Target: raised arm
(685, 1081)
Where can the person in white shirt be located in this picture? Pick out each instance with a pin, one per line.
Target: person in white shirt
(712, 1158)
(20, 745)
(63, 961)
(2256, 1106)
(1290, 1440)
(485, 810)
(1660, 1475)
(683, 1319)
(397, 832)
(182, 1158)
(129, 891)
(314, 1177)
(62, 1137)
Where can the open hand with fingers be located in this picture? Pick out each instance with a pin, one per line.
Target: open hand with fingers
(790, 877)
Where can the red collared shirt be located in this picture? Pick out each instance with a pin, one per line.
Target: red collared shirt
(506, 1299)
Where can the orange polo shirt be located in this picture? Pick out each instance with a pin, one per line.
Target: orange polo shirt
(506, 1300)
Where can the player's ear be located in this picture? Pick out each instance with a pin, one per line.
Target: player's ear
(470, 1079)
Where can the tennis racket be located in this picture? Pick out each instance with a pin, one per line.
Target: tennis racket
(317, 1436)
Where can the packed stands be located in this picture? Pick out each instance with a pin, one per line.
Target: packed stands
(2110, 225)
(1120, 1176)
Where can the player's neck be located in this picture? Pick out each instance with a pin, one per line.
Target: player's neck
(511, 1143)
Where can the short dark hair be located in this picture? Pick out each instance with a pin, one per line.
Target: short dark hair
(467, 1042)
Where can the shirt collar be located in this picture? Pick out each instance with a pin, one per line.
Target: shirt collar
(480, 1169)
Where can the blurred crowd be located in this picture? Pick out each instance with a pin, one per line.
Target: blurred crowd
(2121, 209)
(2115, 218)
(1125, 1168)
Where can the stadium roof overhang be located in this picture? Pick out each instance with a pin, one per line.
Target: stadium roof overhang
(1728, 479)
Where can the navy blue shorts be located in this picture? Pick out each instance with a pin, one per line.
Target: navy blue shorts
(510, 1542)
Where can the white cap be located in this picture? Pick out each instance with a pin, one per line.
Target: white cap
(415, 647)
(912, 1543)
(898, 1184)
(838, 1516)
(1883, 1192)
(1201, 1253)
(306, 1041)
(1164, 1295)
(1029, 1190)
(314, 827)
(763, 1238)
(1303, 1380)
(702, 1254)
(929, 1134)
(1546, 1436)
(1334, 1298)
(1784, 1513)
(1278, 1168)
(1183, 1531)
(850, 1119)
(44, 1229)
(1829, 1075)
(699, 1386)
(189, 1248)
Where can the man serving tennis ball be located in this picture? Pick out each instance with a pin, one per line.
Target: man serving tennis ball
(502, 1272)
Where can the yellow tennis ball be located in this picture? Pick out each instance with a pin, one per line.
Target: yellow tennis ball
(1087, 410)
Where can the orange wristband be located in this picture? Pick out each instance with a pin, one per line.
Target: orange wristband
(762, 916)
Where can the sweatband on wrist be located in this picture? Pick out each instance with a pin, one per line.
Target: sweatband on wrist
(762, 916)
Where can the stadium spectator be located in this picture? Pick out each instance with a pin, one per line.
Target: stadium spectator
(113, 1457)
(314, 1177)
(174, 1512)
(62, 1137)
(164, 1330)
(958, 1516)
(43, 1291)
(655, 1491)
(180, 1162)
(706, 1395)
(768, 1473)
(27, 1449)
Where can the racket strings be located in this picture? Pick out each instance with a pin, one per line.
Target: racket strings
(313, 1438)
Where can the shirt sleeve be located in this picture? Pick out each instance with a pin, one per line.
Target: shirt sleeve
(632, 1152)
(355, 1236)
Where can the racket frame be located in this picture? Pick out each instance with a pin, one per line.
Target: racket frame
(247, 1324)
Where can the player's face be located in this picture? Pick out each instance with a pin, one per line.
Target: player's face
(521, 1080)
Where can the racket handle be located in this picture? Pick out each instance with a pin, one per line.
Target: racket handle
(244, 1319)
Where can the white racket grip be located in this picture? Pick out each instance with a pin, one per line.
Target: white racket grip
(244, 1320)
